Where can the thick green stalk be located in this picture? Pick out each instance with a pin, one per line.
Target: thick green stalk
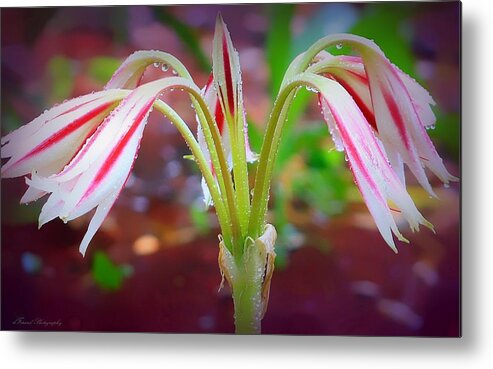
(247, 298)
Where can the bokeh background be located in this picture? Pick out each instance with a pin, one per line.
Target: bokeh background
(152, 267)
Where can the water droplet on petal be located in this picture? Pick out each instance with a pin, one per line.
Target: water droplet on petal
(339, 46)
(164, 67)
(311, 89)
(156, 64)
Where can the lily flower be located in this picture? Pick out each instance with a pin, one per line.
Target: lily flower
(214, 104)
(95, 175)
(350, 72)
(394, 104)
(46, 144)
(375, 178)
(223, 94)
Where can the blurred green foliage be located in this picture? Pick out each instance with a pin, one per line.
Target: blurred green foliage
(187, 35)
(387, 25)
(447, 133)
(199, 217)
(277, 49)
(62, 78)
(102, 68)
(107, 275)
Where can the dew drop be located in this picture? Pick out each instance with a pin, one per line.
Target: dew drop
(156, 64)
(446, 185)
(339, 46)
(164, 67)
(174, 72)
(311, 89)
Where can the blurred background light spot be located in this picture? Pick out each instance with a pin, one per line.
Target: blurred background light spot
(207, 322)
(366, 289)
(400, 313)
(140, 204)
(31, 263)
(426, 273)
(146, 245)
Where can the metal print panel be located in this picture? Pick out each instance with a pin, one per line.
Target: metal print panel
(249, 169)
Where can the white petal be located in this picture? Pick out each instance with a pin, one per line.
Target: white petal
(48, 147)
(374, 176)
(51, 209)
(32, 194)
(96, 221)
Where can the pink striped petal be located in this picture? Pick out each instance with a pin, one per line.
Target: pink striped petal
(226, 70)
(100, 215)
(48, 143)
(32, 194)
(48, 115)
(216, 110)
(350, 72)
(97, 174)
(212, 100)
(400, 119)
(375, 178)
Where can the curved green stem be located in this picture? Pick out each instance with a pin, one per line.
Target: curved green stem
(292, 80)
(204, 167)
(360, 43)
(270, 147)
(216, 150)
(130, 73)
(218, 158)
(268, 155)
(240, 172)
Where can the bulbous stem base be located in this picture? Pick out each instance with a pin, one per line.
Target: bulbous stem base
(249, 277)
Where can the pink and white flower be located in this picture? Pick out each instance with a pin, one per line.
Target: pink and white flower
(224, 97)
(95, 175)
(375, 178)
(212, 100)
(394, 104)
(46, 144)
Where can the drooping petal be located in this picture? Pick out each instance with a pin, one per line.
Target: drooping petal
(48, 143)
(376, 180)
(48, 115)
(422, 100)
(51, 209)
(32, 194)
(400, 120)
(96, 175)
(350, 72)
(100, 215)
